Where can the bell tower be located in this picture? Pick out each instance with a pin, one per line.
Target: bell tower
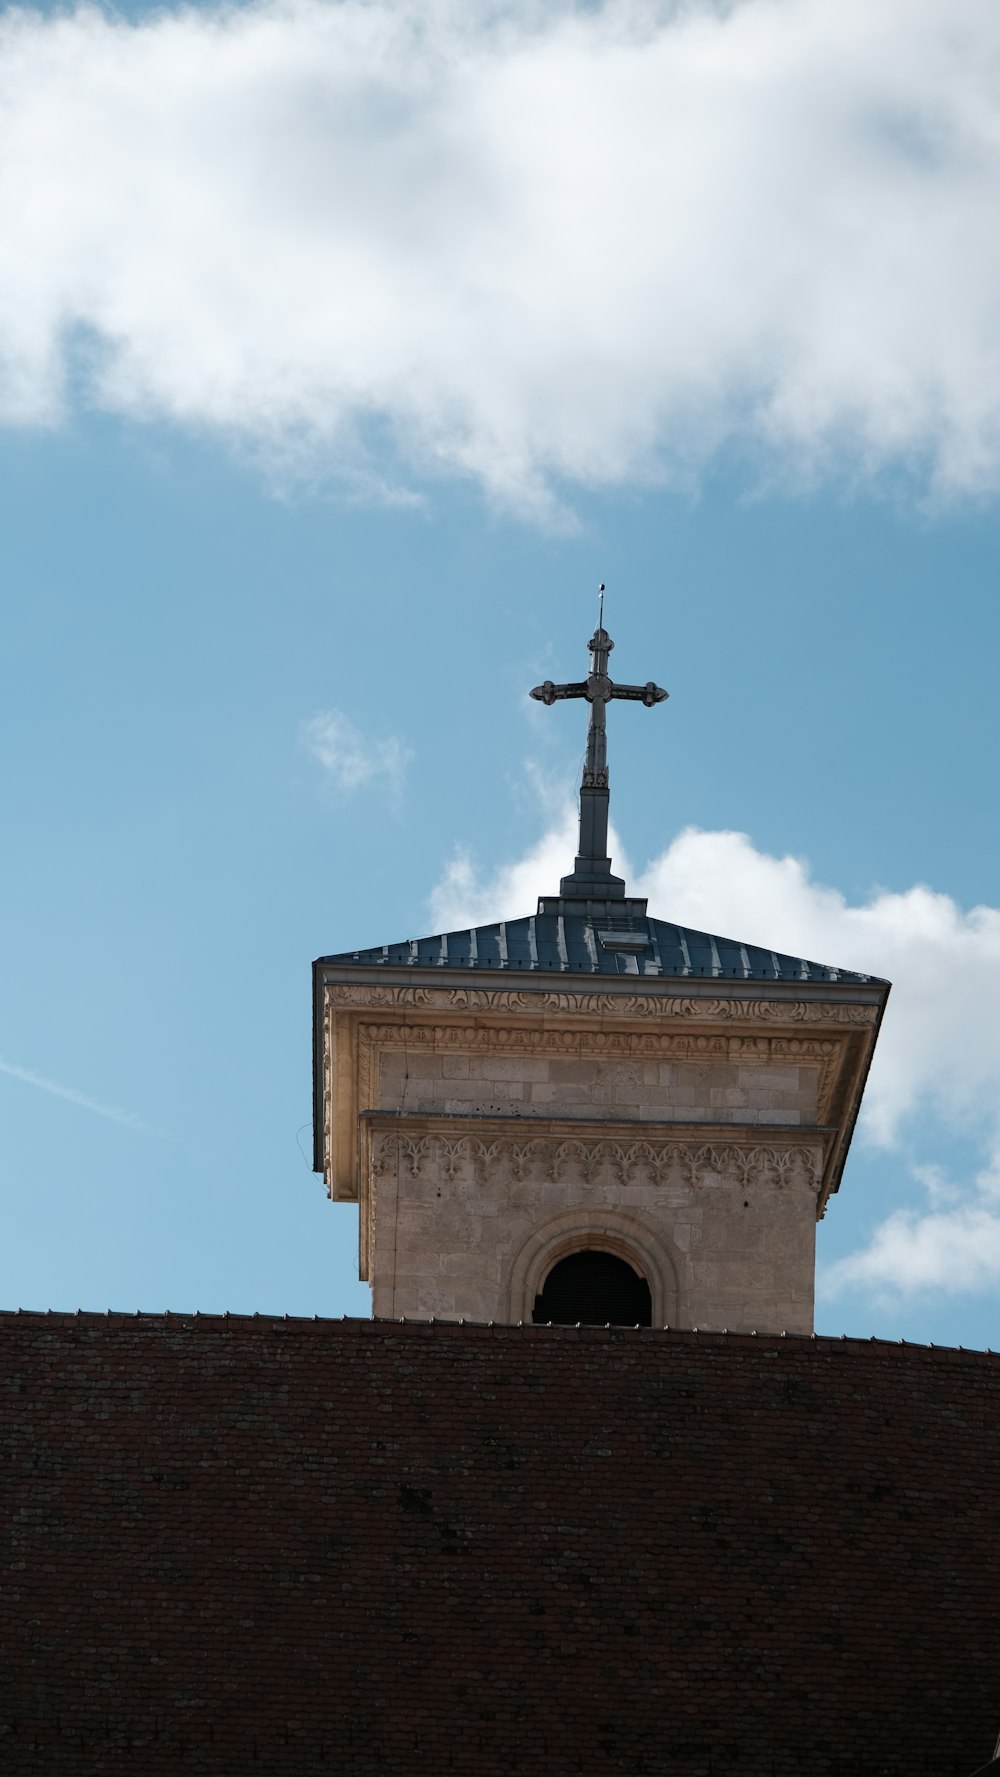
(589, 1114)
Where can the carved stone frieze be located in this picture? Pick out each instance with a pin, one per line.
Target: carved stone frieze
(601, 1005)
(654, 1162)
(615, 1044)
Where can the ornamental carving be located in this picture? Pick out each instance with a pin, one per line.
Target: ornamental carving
(451, 1156)
(469, 1039)
(603, 1005)
(579, 1157)
(641, 1162)
(520, 1157)
(414, 1151)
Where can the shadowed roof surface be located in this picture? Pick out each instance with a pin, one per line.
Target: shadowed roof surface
(425, 1550)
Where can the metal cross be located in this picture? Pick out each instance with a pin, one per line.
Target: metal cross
(592, 876)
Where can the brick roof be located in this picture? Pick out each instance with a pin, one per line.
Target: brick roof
(255, 1545)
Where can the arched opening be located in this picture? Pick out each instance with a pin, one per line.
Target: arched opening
(644, 1247)
(595, 1289)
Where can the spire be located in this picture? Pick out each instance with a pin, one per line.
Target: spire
(591, 878)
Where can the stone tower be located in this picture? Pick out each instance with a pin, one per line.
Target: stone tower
(589, 1114)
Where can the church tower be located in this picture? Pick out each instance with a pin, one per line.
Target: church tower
(589, 1114)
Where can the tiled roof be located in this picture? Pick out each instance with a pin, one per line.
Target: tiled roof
(627, 1550)
(571, 943)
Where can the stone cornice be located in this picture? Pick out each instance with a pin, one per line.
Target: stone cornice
(862, 1009)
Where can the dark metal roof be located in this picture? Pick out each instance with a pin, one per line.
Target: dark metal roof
(581, 944)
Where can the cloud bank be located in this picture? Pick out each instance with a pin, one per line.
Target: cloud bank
(938, 1057)
(547, 248)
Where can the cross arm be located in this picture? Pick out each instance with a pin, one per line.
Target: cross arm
(548, 693)
(647, 694)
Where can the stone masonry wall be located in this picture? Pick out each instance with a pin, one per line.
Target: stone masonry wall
(472, 1163)
(724, 1234)
(548, 1086)
(273, 1548)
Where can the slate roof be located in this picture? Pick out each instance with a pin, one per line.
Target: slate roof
(571, 943)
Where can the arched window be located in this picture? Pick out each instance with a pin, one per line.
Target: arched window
(596, 1289)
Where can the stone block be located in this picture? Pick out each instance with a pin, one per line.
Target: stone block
(578, 1073)
(422, 1066)
(776, 1079)
(514, 1067)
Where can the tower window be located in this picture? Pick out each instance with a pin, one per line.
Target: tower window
(595, 1289)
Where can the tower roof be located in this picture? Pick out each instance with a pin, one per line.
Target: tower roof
(597, 940)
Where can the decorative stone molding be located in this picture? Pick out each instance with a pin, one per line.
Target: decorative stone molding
(606, 1230)
(614, 1044)
(415, 1152)
(603, 1005)
(520, 1158)
(653, 1162)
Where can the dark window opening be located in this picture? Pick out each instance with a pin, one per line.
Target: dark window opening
(595, 1289)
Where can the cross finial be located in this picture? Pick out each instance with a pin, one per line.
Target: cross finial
(591, 878)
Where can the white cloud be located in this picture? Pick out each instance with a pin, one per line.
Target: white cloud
(942, 1041)
(350, 758)
(535, 245)
(938, 1059)
(950, 1251)
(72, 1096)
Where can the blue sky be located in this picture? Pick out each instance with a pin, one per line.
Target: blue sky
(376, 349)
